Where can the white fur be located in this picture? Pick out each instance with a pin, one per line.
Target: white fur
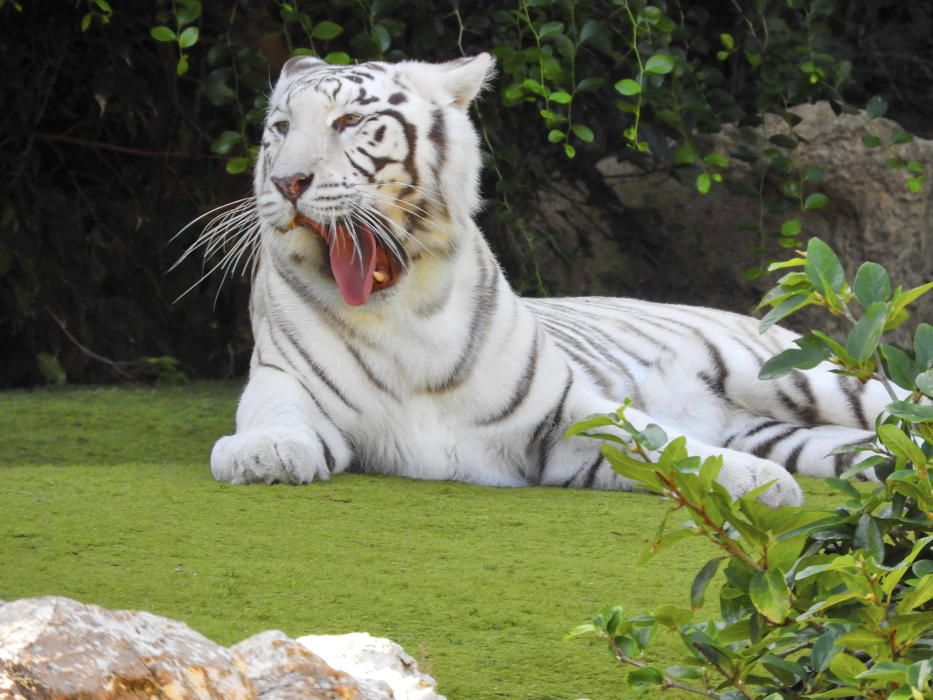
(333, 386)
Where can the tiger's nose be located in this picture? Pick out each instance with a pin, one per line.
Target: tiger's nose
(292, 186)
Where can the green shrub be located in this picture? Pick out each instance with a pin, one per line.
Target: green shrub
(814, 603)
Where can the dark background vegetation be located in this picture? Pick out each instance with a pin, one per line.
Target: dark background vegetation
(108, 152)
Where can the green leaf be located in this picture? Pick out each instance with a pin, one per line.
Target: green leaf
(569, 150)
(703, 183)
(701, 581)
(911, 412)
(561, 97)
(162, 33)
(550, 29)
(784, 141)
(921, 594)
(901, 446)
(338, 58)
(237, 165)
(823, 267)
(189, 37)
(660, 64)
(791, 227)
(794, 358)
(847, 667)
(556, 136)
(224, 143)
(727, 41)
(628, 87)
(824, 650)
(817, 200)
(584, 133)
(876, 107)
(868, 537)
(814, 174)
(872, 284)
(924, 382)
(900, 366)
(653, 437)
(182, 66)
(326, 30)
(642, 678)
(918, 674)
(382, 38)
(86, 22)
(864, 337)
(590, 84)
(770, 595)
(785, 308)
(923, 346)
(871, 141)
(717, 160)
(591, 28)
(187, 11)
(901, 136)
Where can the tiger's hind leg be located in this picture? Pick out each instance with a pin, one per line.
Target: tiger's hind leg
(801, 449)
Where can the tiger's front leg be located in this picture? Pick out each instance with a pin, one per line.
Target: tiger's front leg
(578, 462)
(282, 436)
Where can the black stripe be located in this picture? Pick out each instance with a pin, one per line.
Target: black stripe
(359, 168)
(521, 389)
(292, 336)
(717, 382)
(588, 368)
(762, 426)
(790, 464)
(485, 303)
(592, 472)
(806, 414)
(542, 437)
(370, 375)
(852, 397)
(803, 384)
(764, 448)
(295, 374)
(411, 137)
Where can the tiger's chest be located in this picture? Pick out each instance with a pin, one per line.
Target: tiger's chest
(426, 437)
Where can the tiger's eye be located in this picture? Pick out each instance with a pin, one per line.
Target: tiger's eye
(347, 120)
(281, 127)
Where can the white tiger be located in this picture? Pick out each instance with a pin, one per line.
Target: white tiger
(387, 339)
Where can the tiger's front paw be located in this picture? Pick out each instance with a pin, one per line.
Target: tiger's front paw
(277, 456)
(747, 473)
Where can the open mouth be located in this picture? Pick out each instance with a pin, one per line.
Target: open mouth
(360, 263)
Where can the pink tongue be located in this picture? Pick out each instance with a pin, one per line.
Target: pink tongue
(353, 267)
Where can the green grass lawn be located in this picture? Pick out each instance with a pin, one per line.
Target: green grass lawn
(106, 496)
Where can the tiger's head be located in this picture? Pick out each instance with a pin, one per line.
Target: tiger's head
(366, 169)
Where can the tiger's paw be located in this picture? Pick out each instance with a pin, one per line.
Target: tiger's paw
(277, 456)
(747, 473)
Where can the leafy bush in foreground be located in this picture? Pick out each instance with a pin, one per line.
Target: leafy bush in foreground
(814, 603)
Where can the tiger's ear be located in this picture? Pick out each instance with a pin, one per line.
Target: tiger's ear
(299, 64)
(456, 82)
(464, 78)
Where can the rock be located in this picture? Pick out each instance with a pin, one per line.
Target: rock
(374, 659)
(59, 648)
(652, 236)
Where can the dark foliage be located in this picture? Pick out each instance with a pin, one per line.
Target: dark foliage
(109, 152)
